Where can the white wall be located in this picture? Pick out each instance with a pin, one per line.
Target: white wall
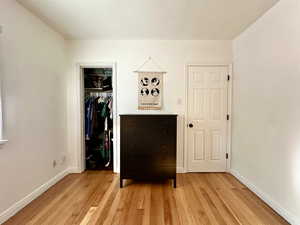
(266, 123)
(33, 92)
(129, 55)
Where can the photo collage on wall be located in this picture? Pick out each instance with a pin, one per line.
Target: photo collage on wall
(150, 90)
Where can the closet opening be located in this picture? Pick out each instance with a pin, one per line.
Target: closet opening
(98, 118)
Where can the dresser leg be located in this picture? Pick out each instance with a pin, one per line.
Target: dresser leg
(174, 183)
(121, 183)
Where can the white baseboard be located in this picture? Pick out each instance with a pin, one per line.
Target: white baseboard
(77, 170)
(74, 170)
(4, 216)
(180, 170)
(292, 219)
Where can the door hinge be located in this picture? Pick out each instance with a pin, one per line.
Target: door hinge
(226, 155)
(228, 77)
(227, 116)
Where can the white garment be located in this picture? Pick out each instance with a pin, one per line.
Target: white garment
(105, 124)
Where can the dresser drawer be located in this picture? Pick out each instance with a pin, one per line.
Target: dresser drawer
(164, 155)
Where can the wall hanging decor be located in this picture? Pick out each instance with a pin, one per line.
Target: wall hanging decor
(150, 88)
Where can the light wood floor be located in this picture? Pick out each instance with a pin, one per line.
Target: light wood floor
(200, 199)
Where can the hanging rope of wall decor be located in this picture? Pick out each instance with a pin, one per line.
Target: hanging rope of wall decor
(146, 61)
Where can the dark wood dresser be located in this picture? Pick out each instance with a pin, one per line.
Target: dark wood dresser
(148, 147)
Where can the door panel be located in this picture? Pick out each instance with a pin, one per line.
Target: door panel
(207, 112)
(199, 141)
(216, 145)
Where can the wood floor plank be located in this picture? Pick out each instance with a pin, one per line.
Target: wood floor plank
(113, 209)
(209, 189)
(104, 204)
(185, 216)
(39, 204)
(71, 209)
(170, 207)
(241, 210)
(196, 204)
(124, 195)
(135, 211)
(88, 216)
(104, 180)
(257, 209)
(208, 205)
(53, 207)
(260, 208)
(125, 204)
(94, 197)
(233, 181)
(157, 203)
(237, 210)
(147, 205)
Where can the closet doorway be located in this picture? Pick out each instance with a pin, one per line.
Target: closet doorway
(98, 116)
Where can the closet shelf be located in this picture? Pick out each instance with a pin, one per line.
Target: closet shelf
(97, 90)
(99, 75)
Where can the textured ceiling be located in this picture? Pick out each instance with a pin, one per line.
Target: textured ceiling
(149, 19)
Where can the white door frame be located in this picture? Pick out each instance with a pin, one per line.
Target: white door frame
(81, 153)
(229, 112)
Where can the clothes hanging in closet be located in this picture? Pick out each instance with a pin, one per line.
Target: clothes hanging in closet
(98, 117)
(98, 131)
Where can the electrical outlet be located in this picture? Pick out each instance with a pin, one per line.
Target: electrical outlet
(54, 163)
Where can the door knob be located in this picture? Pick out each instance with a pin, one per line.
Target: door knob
(191, 125)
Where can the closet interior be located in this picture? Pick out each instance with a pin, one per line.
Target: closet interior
(98, 108)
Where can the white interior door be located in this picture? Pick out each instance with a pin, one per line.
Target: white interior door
(207, 118)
